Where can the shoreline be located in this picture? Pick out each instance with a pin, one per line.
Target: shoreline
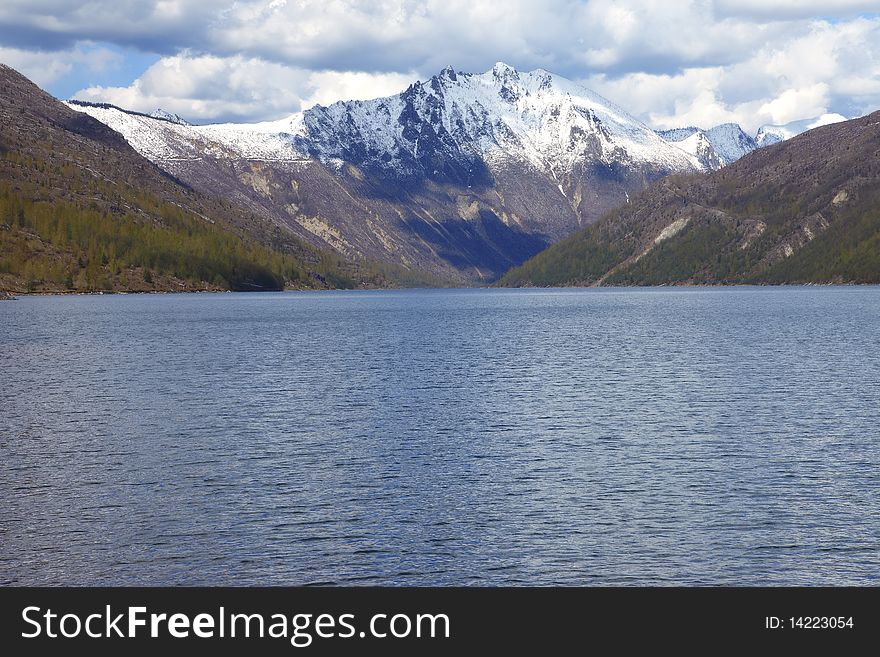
(13, 296)
(680, 284)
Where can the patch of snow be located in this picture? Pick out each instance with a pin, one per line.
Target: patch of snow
(160, 140)
(730, 142)
(169, 116)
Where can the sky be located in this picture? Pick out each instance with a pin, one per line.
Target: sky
(671, 63)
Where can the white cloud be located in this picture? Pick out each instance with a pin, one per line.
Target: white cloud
(156, 25)
(701, 61)
(209, 88)
(330, 86)
(794, 104)
(824, 68)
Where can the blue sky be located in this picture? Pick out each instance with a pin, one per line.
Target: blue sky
(699, 62)
(121, 70)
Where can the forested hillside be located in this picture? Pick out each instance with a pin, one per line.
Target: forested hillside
(81, 211)
(805, 210)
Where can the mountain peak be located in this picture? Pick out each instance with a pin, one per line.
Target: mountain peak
(449, 73)
(500, 69)
(728, 125)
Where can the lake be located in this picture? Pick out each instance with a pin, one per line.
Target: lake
(430, 437)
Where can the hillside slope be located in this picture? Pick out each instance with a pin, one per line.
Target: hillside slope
(804, 210)
(81, 210)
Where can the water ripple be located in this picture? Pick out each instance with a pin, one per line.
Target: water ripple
(617, 437)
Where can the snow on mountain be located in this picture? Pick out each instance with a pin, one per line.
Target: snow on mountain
(159, 113)
(677, 135)
(536, 117)
(773, 134)
(695, 142)
(714, 148)
(726, 143)
(452, 127)
(730, 142)
(161, 140)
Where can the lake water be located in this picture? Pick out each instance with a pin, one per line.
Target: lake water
(477, 437)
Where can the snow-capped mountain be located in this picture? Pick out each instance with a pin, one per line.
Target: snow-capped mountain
(461, 175)
(695, 142)
(730, 142)
(726, 143)
(472, 120)
(714, 148)
(773, 134)
(535, 117)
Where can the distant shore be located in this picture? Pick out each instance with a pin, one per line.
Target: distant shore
(11, 296)
(686, 284)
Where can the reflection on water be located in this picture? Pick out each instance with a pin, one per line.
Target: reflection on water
(667, 436)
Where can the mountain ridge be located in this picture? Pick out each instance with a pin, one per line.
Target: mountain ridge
(806, 210)
(715, 147)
